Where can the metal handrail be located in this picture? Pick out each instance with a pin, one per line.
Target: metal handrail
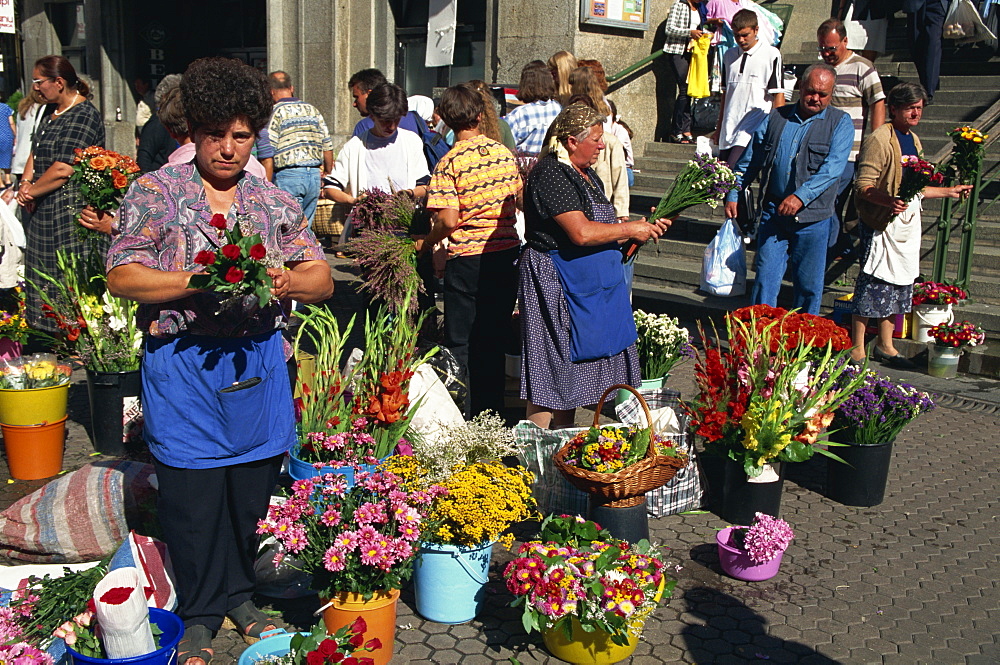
(631, 68)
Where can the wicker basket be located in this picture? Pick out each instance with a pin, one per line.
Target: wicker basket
(329, 218)
(627, 487)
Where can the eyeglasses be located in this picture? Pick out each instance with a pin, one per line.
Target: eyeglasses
(826, 49)
(42, 80)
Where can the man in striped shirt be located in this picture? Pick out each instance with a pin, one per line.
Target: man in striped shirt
(858, 93)
(301, 143)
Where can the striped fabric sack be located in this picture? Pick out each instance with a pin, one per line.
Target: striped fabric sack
(149, 556)
(82, 516)
(552, 491)
(684, 491)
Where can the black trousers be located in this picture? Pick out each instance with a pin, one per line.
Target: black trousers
(926, 26)
(479, 295)
(680, 63)
(209, 522)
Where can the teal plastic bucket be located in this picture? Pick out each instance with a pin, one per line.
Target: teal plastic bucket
(173, 630)
(276, 645)
(449, 582)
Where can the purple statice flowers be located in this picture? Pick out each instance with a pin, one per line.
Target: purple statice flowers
(878, 410)
(704, 180)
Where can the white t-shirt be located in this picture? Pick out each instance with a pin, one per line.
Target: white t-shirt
(750, 80)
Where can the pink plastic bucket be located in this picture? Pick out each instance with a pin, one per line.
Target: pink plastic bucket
(737, 563)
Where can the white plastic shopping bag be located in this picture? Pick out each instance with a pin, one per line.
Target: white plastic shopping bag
(964, 24)
(724, 267)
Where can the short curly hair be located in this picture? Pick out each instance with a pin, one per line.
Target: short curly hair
(217, 91)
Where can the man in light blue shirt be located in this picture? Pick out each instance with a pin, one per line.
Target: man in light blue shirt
(798, 154)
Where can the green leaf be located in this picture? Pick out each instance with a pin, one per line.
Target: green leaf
(797, 451)
(528, 620)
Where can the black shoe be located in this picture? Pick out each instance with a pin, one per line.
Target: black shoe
(898, 361)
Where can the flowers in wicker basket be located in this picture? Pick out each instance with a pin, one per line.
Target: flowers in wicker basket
(575, 576)
(611, 448)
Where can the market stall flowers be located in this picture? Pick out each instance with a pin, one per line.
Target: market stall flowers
(575, 571)
(771, 393)
(663, 343)
(936, 293)
(917, 174)
(878, 410)
(958, 334)
(968, 148)
(357, 540)
(763, 540)
(320, 648)
(39, 370)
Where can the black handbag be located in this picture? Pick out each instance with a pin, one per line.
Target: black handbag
(704, 113)
(748, 211)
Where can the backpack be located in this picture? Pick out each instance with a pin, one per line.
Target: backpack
(435, 147)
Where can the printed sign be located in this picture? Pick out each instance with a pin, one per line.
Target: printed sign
(7, 16)
(630, 14)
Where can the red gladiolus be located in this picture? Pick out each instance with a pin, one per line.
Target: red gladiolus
(116, 596)
(231, 252)
(205, 258)
(257, 252)
(218, 221)
(234, 275)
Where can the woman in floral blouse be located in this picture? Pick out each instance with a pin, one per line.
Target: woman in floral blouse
(216, 394)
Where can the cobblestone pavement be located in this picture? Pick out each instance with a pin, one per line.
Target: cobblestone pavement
(903, 583)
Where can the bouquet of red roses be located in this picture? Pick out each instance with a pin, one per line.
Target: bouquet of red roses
(102, 177)
(917, 174)
(238, 267)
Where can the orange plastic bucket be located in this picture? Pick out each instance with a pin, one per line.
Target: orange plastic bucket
(379, 613)
(35, 451)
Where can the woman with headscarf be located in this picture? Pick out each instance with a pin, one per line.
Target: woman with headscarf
(215, 389)
(578, 334)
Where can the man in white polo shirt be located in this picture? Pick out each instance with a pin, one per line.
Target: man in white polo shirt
(859, 94)
(752, 86)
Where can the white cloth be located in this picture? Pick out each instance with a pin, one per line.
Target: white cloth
(22, 142)
(350, 171)
(894, 256)
(125, 631)
(749, 83)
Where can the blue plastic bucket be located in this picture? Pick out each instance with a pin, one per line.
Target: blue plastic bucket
(173, 630)
(300, 470)
(450, 581)
(277, 645)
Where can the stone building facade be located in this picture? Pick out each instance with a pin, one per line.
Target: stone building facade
(322, 42)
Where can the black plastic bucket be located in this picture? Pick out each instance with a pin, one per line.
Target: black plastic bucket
(741, 499)
(863, 482)
(630, 524)
(107, 392)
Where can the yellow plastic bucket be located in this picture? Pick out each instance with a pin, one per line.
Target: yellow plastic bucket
(33, 406)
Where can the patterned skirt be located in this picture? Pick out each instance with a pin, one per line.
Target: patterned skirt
(874, 298)
(549, 378)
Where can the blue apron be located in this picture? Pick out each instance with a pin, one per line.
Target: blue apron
(196, 418)
(597, 295)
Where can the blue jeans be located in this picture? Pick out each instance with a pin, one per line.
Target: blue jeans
(302, 182)
(781, 239)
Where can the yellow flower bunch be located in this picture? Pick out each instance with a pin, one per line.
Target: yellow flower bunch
(967, 152)
(484, 499)
(969, 134)
(766, 429)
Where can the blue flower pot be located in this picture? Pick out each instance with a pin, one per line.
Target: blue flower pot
(300, 470)
(450, 581)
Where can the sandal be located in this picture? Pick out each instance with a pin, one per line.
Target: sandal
(249, 622)
(196, 643)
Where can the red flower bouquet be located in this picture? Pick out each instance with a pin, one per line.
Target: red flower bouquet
(238, 267)
(318, 648)
(957, 335)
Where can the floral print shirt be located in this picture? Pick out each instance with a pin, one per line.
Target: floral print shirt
(163, 223)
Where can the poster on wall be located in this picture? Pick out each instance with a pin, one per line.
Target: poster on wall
(7, 16)
(629, 14)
